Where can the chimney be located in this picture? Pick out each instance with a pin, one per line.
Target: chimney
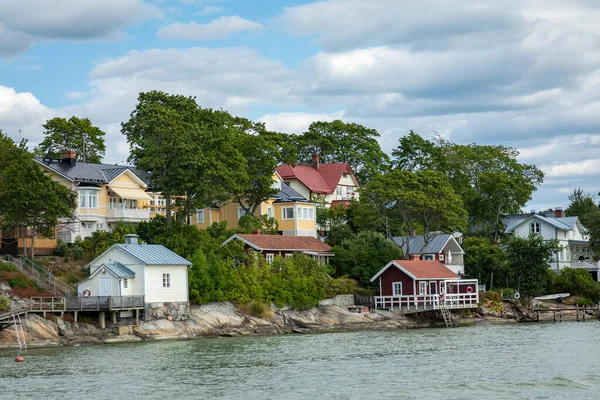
(130, 238)
(256, 232)
(414, 257)
(315, 161)
(558, 212)
(68, 157)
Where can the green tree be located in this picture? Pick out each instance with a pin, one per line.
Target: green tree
(582, 205)
(191, 152)
(28, 196)
(339, 141)
(250, 223)
(362, 255)
(485, 261)
(488, 178)
(72, 134)
(402, 202)
(528, 262)
(577, 282)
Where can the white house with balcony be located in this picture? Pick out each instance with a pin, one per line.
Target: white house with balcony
(335, 183)
(106, 194)
(571, 236)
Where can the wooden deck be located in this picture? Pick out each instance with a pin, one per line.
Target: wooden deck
(92, 303)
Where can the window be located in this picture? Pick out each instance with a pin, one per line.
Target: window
(289, 255)
(422, 287)
(345, 175)
(287, 213)
(199, 216)
(241, 212)
(270, 257)
(311, 213)
(131, 204)
(441, 257)
(306, 213)
(112, 203)
(92, 199)
(428, 257)
(125, 283)
(99, 227)
(338, 190)
(270, 212)
(534, 227)
(397, 288)
(87, 225)
(166, 280)
(442, 287)
(82, 198)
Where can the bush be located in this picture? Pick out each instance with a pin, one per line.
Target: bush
(4, 303)
(577, 282)
(258, 309)
(4, 266)
(78, 252)
(62, 249)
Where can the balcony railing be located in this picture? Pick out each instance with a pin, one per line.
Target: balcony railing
(128, 213)
(97, 303)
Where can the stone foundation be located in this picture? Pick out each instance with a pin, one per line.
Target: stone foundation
(341, 300)
(170, 311)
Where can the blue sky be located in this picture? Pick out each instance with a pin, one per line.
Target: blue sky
(519, 73)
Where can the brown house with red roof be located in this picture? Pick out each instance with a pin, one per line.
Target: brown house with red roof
(284, 246)
(414, 284)
(334, 182)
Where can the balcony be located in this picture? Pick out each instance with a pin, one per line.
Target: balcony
(127, 214)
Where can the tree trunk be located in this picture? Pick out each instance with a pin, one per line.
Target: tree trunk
(168, 210)
(32, 244)
(21, 235)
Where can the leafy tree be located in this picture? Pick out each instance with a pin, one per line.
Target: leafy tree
(101, 240)
(489, 179)
(28, 196)
(484, 260)
(528, 261)
(362, 255)
(403, 202)
(72, 134)
(338, 141)
(191, 152)
(577, 282)
(338, 233)
(250, 223)
(583, 206)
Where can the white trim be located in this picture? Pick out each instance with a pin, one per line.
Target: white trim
(382, 270)
(270, 257)
(422, 284)
(394, 288)
(131, 175)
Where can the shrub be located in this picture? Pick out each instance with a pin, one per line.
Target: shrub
(258, 309)
(4, 303)
(78, 252)
(4, 266)
(493, 296)
(68, 317)
(62, 249)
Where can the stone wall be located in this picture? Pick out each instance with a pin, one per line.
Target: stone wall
(171, 311)
(341, 300)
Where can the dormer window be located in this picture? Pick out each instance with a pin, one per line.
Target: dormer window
(534, 227)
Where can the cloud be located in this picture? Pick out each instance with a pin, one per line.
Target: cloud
(22, 111)
(25, 22)
(207, 10)
(296, 122)
(220, 28)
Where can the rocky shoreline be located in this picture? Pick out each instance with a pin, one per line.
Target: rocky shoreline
(223, 319)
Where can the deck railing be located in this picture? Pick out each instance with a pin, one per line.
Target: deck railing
(42, 276)
(92, 303)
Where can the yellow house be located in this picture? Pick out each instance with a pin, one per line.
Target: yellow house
(107, 194)
(295, 215)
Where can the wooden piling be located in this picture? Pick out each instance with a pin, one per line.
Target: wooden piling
(577, 311)
(554, 315)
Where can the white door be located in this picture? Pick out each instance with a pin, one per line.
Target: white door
(104, 283)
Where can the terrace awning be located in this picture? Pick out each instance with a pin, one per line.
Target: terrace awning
(130, 193)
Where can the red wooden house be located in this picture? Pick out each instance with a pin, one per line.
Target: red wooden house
(423, 284)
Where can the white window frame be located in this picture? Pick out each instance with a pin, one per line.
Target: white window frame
(166, 280)
(441, 257)
(283, 213)
(535, 227)
(82, 198)
(422, 287)
(200, 216)
(395, 286)
(338, 190)
(442, 287)
(428, 257)
(269, 257)
(125, 283)
(270, 212)
(289, 255)
(92, 198)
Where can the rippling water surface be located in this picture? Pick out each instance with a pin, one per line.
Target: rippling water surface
(533, 361)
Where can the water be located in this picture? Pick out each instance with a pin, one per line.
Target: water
(526, 361)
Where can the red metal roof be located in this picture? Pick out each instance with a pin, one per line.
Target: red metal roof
(290, 243)
(323, 180)
(426, 269)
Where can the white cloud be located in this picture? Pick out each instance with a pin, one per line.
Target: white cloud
(27, 21)
(296, 122)
(22, 111)
(207, 10)
(220, 28)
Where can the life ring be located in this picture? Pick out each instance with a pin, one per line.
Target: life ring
(86, 293)
(516, 296)
(469, 289)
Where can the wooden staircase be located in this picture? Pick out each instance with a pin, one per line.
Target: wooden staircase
(42, 276)
(446, 315)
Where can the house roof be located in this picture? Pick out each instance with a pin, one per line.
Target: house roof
(323, 180)
(287, 194)
(420, 269)
(119, 270)
(90, 173)
(416, 244)
(283, 243)
(153, 254)
(563, 223)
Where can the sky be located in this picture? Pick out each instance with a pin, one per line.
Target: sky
(519, 73)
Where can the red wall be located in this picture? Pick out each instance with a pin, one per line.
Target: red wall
(391, 275)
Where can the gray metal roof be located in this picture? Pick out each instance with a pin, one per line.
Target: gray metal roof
(287, 194)
(153, 254)
(90, 173)
(119, 270)
(416, 244)
(564, 223)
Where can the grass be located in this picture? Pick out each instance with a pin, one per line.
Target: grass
(258, 309)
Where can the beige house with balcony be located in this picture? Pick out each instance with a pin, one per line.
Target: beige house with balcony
(107, 194)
